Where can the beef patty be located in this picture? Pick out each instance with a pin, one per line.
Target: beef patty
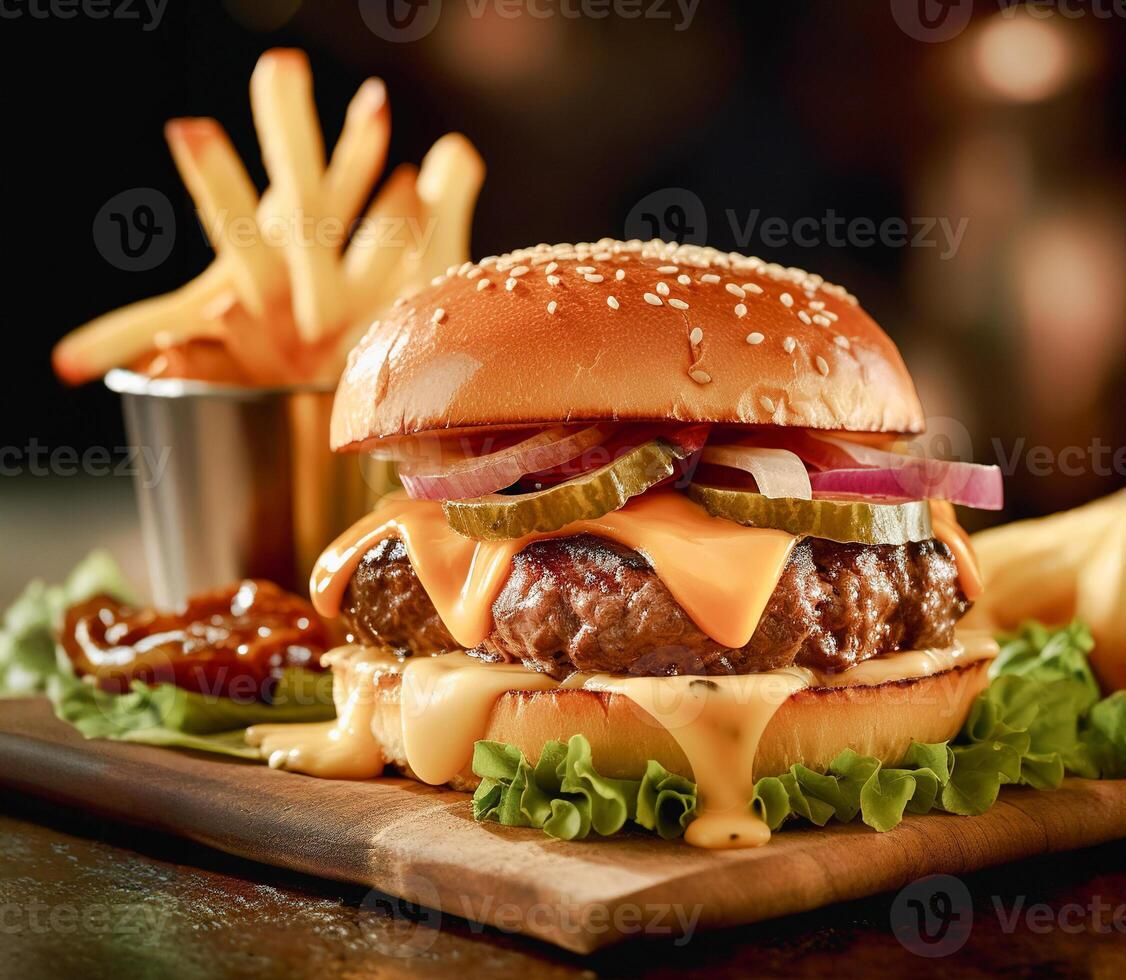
(586, 603)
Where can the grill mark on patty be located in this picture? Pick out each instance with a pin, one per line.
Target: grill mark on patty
(587, 603)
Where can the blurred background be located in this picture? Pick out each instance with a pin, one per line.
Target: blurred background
(958, 166)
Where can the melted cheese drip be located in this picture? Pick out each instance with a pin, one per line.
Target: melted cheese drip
(721, 573)
(345, 748)
(446, 705)
(718, 722)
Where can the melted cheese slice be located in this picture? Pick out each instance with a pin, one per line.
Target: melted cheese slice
(718, 722)
(721, 573)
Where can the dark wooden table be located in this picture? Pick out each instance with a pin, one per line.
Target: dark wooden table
(85, 898)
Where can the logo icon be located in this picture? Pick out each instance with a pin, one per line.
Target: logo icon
(400, 928)
(674, 214)
(932, 21)
(400, 21)
(134, 231)
(933, 916)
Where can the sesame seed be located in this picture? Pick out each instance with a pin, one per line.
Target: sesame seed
(464, 268)
(684, 280)
(474, 272)
(400, 303)
(822, 365)
(584, 269)
(612, 302)
(663, 288)
(767, 403)
(552, 307)
(437, 280)
(620, 275)
(667, 270)
(551, 267)
(709, 277)
(700, 377)
(786, 299)
(589, 277)
(510, 283)
(520, 270)
(439, 315)
(678, 304)
(841, 341)
(804, 317)
(755, 338)
(753, 287)
(817, 304)
(653, 300)
(789, 344)
(553, 280)
(740, 310)
(832, 317)
(735, 290)
(821, 320)
(695, 336)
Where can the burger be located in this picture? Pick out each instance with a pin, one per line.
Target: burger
(659, 504)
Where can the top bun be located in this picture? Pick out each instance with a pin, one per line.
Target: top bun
(623, 330)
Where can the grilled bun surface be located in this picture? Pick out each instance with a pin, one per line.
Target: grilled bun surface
(623, 330)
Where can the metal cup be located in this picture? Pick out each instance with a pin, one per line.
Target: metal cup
(235, 482)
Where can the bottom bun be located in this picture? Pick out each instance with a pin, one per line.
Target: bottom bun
(811, 727)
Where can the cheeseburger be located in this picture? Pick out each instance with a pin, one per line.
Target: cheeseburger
(656, 495)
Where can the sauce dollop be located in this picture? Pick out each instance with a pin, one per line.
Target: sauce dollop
(232, 642)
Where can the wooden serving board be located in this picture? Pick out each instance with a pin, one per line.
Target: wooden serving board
(422, 844)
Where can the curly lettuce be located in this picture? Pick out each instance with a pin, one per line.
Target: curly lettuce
(1040, 717)
(563, 794)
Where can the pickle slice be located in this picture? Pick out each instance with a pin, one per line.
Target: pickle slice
(584, 498)
(847, 521)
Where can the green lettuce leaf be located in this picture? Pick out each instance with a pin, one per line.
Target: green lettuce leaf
(27, 641)
(563, 794)
(164, 714)
(1040, 717)
(1105, 736)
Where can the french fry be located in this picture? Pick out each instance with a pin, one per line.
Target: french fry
(281, 95)
(122, 336)
(227, 202)
(1035, 569)
(381, 242)
(260, 352)
(360, 152)
(1101, 603)
(449, 181)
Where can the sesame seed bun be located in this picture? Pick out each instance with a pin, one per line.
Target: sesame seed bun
(623, 330)
(812, 727)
